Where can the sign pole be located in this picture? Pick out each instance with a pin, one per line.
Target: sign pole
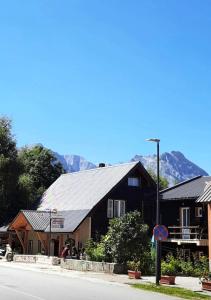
(49, 245)
(158, 244)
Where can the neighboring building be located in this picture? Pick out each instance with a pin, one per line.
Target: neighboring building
(85, 202)
(185, 218)
(205, 199)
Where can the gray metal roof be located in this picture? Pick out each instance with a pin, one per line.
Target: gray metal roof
(4, 229)
(84, 189)
(73, 195)
(190, 189)
(206, 196)
(72, 218)
(40, 220)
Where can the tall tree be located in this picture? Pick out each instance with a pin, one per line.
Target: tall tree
(163, 182)
(9, 171)
(39, 170)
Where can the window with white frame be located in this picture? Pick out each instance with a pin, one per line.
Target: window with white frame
(115, 208)
(198, 212)
(110, 209)
(133, 181)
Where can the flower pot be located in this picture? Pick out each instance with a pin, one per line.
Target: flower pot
(134, 274)
(165, 279)
(206, 285)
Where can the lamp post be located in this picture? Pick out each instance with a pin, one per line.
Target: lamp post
(158, 245)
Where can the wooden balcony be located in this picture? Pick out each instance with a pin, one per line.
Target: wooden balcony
(187, 235)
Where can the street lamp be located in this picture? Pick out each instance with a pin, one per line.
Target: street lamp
(158, 245)
(50, 218)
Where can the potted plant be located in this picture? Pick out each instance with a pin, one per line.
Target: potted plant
(206, 281)
(134, 269)
(168, 271)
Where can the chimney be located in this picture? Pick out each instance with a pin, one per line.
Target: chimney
(101, 165)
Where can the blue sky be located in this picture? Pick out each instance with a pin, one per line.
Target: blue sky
(96, 78)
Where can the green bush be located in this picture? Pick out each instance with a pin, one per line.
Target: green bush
(186, 268)
(201, 266)
(197, 267)
(126, 240)
(134, 266)
(95, 251)
(170, 266)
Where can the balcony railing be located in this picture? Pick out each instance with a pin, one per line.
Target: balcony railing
(187, 233)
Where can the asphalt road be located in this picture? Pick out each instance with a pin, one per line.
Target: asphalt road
(16, 284)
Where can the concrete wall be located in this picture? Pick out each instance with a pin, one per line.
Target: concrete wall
(42, 259)
(84, 265)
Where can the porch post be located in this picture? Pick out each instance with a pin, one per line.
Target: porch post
(61, 241)
(21, 241)
(42, 241)
(76, 239)
(25, 241)
(209, 232)
(10, 238)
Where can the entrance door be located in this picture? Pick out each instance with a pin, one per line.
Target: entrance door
(185, 222)
(56, 248)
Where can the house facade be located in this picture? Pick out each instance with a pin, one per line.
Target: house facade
(205, 199)
(185, 218)
(78, 206)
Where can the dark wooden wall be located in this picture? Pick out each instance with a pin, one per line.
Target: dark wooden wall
(137, 198)
(170, 212)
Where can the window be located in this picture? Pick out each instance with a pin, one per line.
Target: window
(198, 212)
(110, 209)
(133, 181)
(115, 208)
(185, 253)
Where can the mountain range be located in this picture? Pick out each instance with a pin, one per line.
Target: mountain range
(174, 166)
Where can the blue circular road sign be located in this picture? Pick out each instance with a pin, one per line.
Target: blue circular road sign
(160, 232)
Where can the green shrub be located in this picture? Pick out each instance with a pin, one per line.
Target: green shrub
(187, 268)
(95, 251)
(170, 266)
(126, 240)
(201, 266)
(134, 265)
(197, 267)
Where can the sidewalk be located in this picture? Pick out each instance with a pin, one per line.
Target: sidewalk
(191, 283)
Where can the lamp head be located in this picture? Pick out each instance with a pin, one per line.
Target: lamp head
(153, 140)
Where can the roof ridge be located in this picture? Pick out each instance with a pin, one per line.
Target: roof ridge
(181, 183)
(100, 168)
(34, 210)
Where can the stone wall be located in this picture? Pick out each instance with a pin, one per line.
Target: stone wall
(42, 259)
(84, 265)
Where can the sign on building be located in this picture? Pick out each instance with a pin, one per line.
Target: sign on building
(57, 223)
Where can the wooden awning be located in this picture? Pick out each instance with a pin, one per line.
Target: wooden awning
(20, 223)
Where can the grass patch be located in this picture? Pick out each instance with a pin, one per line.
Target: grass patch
(172, 291)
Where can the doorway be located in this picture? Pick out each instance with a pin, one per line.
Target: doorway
(56, 248)
(185, 222)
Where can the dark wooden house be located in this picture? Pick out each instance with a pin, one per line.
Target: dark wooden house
(86, 201)
(185, 218)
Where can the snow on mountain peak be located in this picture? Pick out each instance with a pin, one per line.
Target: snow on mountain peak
(174, 166)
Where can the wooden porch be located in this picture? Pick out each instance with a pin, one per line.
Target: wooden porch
(188, 235)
